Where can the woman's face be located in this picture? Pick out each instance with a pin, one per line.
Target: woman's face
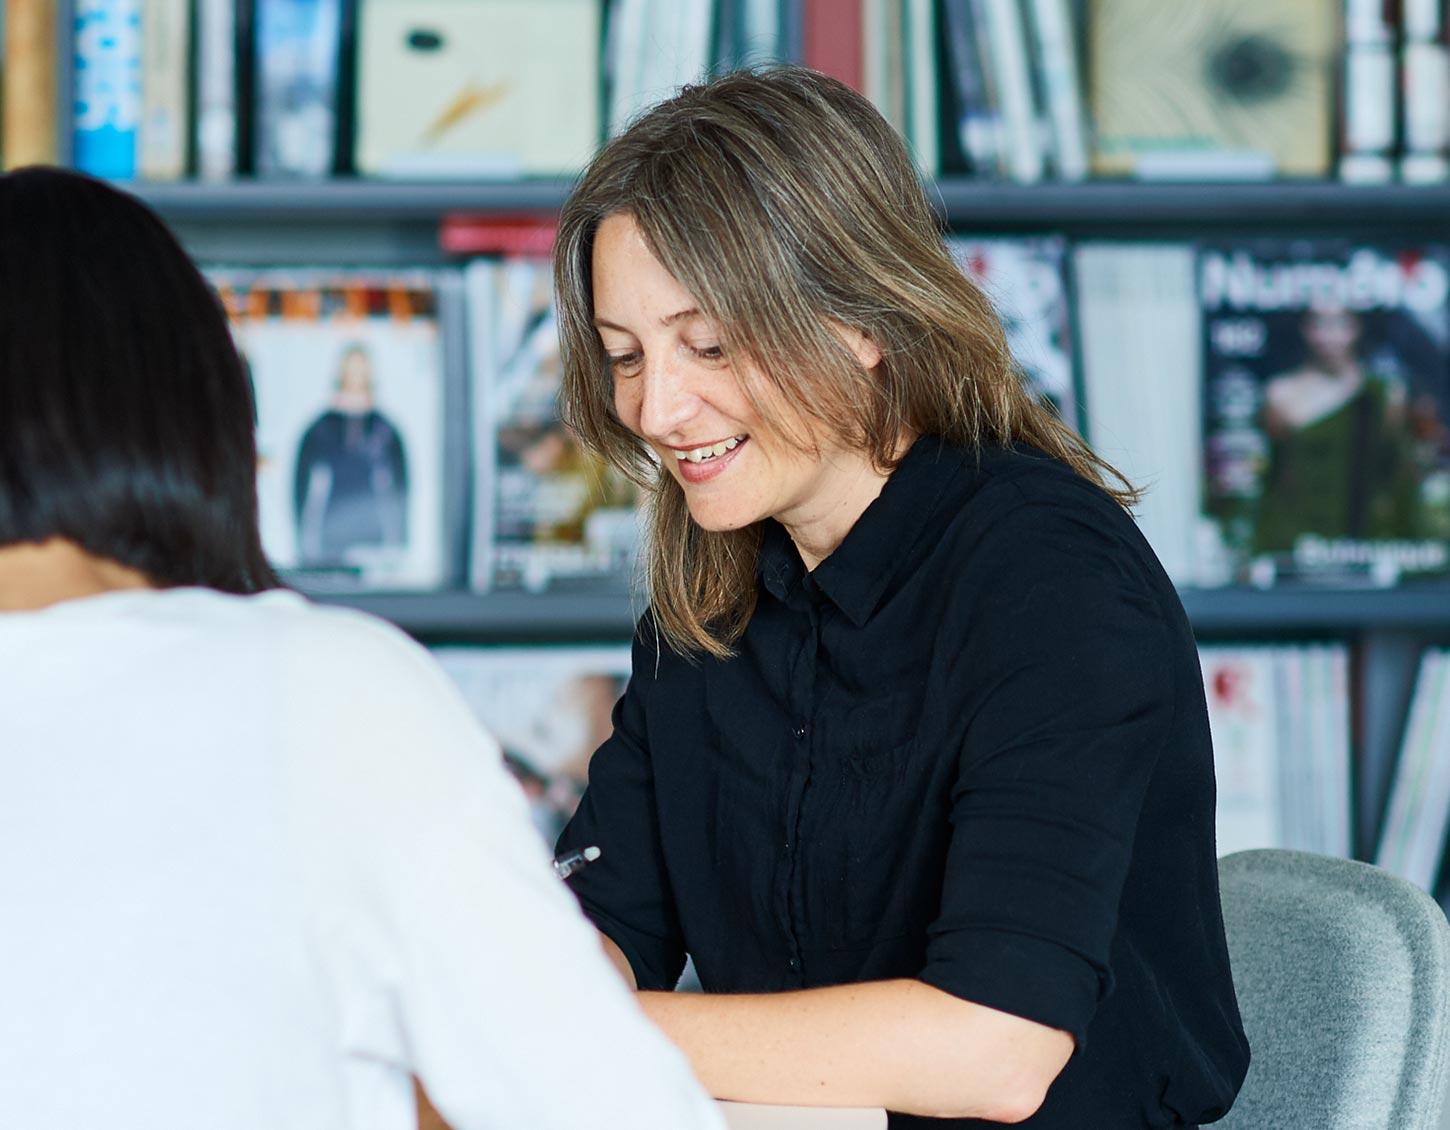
(676, 390)
(1331, 334)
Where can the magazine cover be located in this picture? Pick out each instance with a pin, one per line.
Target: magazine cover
(550, 708)
(348, 373)
(1326, 402)
(1026, 281)
(1244, 718)
(547, 515)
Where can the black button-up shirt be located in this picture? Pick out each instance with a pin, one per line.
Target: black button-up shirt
(970, 747)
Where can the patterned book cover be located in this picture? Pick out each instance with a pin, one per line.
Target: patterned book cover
(1179, 87)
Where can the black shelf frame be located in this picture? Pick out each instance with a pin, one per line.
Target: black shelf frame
(962, 202)
(1214, 613)
(345, 200)
(503, 617)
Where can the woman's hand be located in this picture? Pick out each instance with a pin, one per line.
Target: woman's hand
(902, 1045)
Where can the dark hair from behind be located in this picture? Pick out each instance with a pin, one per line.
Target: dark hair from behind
(126, 414)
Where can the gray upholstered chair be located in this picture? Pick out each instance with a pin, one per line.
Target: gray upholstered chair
(1343, 978)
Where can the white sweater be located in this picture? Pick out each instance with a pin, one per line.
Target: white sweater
(258, 865)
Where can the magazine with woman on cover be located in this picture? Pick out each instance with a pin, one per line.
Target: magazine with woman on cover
(347, 370)
(1327, 398)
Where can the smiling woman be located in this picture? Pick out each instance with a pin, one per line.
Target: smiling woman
(675, 389)
(914, 762)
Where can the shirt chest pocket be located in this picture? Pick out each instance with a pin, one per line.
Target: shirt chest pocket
(864, 817)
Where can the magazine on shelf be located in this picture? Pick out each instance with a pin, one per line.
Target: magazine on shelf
(1412, 843)
(1327, 409)
(1026, 280)
(1279, 716)
(550, 708)
(348, 372)
(547, 515)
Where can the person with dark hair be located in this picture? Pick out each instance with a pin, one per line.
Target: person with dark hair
(350, 489)
(259, 866)
(914, 762)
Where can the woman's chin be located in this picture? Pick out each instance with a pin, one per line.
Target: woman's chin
(714, 520)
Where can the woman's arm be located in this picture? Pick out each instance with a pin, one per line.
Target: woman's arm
(616, 955)
(902, 1045)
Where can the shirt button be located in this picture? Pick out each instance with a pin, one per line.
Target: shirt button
(793, 964)
(800, 733)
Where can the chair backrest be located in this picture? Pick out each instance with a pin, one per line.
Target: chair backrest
(1343, 979)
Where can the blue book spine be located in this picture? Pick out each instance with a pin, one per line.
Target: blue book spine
(107, 86)
(298, 45)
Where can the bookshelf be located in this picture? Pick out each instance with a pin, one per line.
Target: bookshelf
(356, 220)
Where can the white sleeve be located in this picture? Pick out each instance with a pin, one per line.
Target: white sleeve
(509, 1011)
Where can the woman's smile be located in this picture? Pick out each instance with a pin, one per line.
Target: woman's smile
(707, 461)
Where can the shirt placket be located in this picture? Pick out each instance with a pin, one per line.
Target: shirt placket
(802, 715)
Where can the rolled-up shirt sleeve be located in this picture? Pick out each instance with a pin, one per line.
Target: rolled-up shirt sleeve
(1064, 680)
(626, 892)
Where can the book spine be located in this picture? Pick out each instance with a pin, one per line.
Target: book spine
(1002, 20)
(480, 280)
(297, 49)
(498, 235)
(28, 133)
(833, 40)
(107, 86)
(1055, 49)
(344, 143)
(762, 30)
(1368, 111)
(923, 86)
(216, 89)
(1425, 94)
(244, 83)
(979, 125)
(627, 30)
(165, 39)
(1402, 841)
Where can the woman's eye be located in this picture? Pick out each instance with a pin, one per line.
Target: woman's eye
(623, 364)
(709, 352)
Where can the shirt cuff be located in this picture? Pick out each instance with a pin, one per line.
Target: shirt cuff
(1016, 973)
(649, 976)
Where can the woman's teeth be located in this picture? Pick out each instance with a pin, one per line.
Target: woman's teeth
(710, 451)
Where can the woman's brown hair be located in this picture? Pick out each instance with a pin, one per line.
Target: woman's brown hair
(787, 206)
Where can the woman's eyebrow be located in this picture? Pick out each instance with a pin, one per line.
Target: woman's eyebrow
(667, 320)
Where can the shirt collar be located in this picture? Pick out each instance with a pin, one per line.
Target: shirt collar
(878, 546)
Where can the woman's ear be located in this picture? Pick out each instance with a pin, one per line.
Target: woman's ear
(858, 342)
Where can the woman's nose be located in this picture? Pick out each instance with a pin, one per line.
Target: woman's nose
(666, 402)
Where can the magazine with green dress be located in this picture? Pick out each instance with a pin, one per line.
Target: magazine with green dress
(1326, 402)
